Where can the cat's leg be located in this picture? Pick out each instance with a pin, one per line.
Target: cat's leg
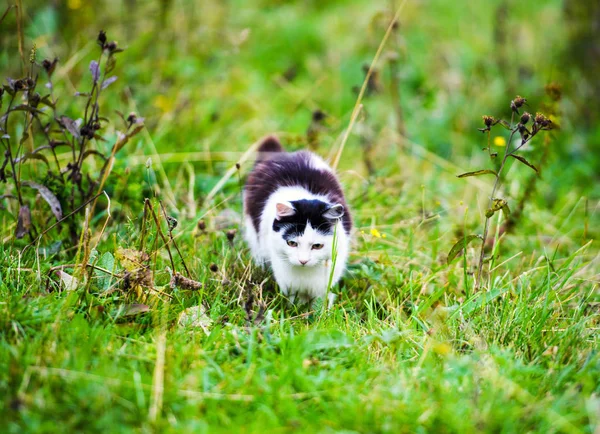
(331, 299)
(290, 294)
(251, 237)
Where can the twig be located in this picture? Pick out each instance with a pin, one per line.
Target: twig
(173, 241)
(358, 104)
(492, 195)
(6, 12)
(148, 204)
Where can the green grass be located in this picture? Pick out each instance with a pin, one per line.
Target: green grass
(409, 346)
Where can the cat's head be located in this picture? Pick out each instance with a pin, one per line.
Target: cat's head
(305, 230)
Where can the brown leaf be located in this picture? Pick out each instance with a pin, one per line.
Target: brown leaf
(477, 173)
(24, 222)
(525, 162)
(71, 126)
(48, 196)
(131, 259)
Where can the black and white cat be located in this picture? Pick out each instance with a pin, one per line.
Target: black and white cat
(294, 213)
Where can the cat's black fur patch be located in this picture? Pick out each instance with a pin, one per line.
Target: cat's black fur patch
(282, 169)
(307, 211)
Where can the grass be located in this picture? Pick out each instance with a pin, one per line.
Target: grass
(409, 345)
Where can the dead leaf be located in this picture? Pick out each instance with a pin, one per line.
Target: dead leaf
(195, 317)
(68, 282)
(24, 222)
(48, 196)
(131, 259)
(133, 309)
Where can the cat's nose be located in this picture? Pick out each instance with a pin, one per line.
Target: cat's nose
(302, 262)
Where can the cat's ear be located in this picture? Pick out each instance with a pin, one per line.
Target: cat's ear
(334, 212)
(284, 209)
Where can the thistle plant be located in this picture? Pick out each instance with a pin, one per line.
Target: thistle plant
(526, 129)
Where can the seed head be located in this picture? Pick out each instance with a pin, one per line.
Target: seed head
(101, 38)
(112, 46)
(132, 118)
(517, 103)
(542, 120)
(525, 118)
(20, 85)
(32, 54)
(318, 115)
(49, 65)
(172, 221)
(87, 131)
(488, 120)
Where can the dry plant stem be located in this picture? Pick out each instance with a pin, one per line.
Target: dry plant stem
(395, 82)
(174, 243)
(8, 150)
(58, 168)
(358, 104)
(87, 120)
(6, 12)
(160, 232)
(487, 219)
(19, 10)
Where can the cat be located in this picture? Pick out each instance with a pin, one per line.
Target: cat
(295, 215)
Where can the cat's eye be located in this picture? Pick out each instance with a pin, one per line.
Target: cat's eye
(292, 243)
(317, 246)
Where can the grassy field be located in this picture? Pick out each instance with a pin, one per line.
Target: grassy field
(102, 334)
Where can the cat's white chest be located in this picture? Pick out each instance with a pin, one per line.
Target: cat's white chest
(307, 282)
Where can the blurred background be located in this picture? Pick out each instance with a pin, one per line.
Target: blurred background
(211, 78)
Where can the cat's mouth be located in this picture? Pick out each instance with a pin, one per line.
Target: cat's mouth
(308, 264)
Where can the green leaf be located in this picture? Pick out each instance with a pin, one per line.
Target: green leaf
(477, 173)
(525, 162)
(506, 210)
(24, 137)
(460, 245)
(106, 262)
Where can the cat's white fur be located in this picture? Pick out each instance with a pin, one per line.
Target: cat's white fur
(308, 281)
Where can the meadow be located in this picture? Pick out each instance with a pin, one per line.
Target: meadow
(137, 307)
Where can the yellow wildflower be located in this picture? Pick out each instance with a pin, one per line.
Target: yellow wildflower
(499, 141)
(375, 233)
